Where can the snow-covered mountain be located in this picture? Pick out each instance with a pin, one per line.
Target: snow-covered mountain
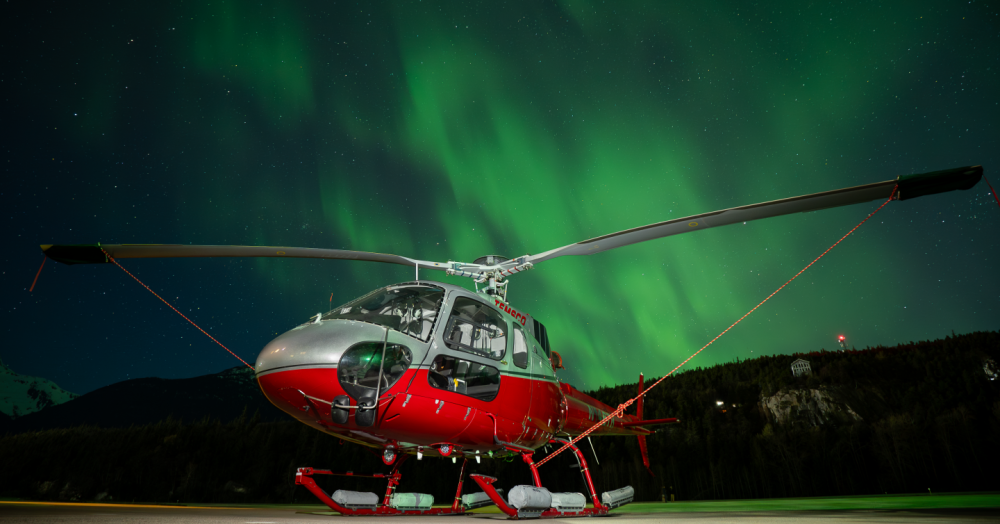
(222, 396)
(20, 394)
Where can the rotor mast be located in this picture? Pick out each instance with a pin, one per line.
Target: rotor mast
(491, 270)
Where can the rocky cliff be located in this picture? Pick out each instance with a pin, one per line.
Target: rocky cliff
(813, 407)
(20, 394)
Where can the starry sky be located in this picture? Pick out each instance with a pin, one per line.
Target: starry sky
(451, 130)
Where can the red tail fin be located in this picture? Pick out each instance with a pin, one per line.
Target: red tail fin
(638, 405)
(642, 438)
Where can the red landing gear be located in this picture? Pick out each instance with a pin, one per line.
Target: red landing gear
(523, 501)
(537, 502)
(355, 503)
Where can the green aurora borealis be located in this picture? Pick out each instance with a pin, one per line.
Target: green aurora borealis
(447, 131)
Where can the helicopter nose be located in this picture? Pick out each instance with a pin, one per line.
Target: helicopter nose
(313, 345)
(306, 370)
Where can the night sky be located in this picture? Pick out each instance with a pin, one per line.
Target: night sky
(452, 130)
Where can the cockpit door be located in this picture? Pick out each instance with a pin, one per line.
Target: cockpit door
(523, 370)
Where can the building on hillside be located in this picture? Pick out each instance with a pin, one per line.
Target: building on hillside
(801, 367)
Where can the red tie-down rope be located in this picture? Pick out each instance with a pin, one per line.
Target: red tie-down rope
(622, 407)
(35, 281)
(993, 190)
(175, 309)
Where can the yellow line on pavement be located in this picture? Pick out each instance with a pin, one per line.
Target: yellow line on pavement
(99, 505)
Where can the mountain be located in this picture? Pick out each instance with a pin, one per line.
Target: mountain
(21, 395)
(221, 396)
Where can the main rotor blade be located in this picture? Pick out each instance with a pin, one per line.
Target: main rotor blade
(910, 186)
(95, 253)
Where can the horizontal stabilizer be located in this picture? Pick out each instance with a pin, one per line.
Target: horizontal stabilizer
(654, 422)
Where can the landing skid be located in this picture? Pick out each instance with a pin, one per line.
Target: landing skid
(540, 504)
(303, 477)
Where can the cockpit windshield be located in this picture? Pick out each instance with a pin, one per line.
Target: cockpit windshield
(409, 309)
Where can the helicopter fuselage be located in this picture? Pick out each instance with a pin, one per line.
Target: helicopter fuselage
(453, 371)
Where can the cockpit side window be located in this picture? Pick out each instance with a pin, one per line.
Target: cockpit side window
(542, 336)
(520, 347)
(411, 310)
(476, 328)
(462, 376)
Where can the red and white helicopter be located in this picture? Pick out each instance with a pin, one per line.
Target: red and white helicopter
(426, 368)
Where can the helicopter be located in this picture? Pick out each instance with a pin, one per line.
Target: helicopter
(424, 368)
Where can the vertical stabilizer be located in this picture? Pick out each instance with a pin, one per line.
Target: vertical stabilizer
(642, 438)
(638, 405)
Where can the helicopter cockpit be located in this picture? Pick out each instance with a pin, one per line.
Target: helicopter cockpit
(410, 309)
(476, 328)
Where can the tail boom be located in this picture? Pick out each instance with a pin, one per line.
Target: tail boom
(584, 411)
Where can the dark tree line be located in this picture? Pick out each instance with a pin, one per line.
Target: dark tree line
(930, 419)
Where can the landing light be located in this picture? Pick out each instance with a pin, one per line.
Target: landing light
(718, 402)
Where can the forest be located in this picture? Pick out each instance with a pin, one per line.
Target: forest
(926, 416)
